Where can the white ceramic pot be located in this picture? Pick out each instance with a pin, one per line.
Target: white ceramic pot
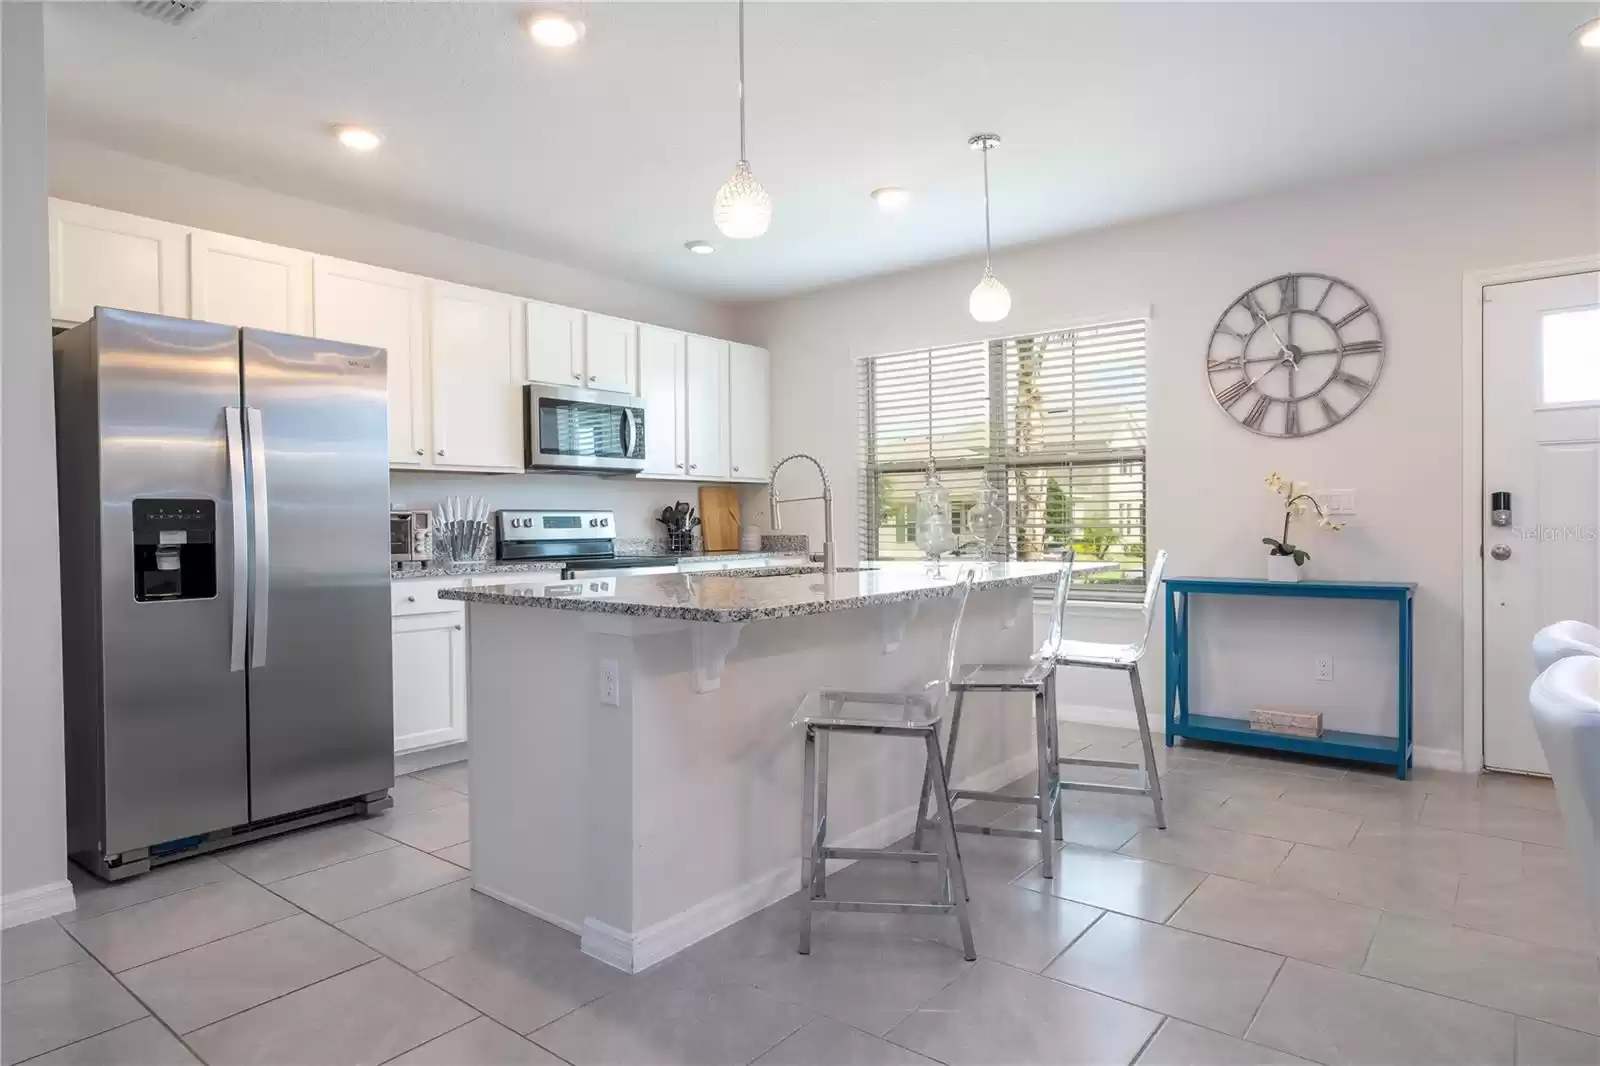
(1282, 568)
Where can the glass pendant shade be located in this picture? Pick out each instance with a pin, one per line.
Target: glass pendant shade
(990, 300)
(742, 208)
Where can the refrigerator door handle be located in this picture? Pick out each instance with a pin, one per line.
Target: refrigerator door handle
(258, 491)
(241, 551)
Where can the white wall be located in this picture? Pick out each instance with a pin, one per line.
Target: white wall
(1404, 238)
(33, 863)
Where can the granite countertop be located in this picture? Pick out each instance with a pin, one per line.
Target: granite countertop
(768, 593)
(530, 566)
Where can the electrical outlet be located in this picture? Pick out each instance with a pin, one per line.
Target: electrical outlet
(610, 684)
(1324, 668)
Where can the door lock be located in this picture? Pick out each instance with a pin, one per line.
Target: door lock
(1502, 552)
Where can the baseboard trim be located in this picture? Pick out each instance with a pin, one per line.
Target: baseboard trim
(1116, 717)
(409, 762)
(528, 908)
(1436, 758)
(664, 939)
(31, 904)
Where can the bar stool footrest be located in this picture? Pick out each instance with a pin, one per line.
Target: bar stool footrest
(1114, 764)
(1116, 790)
(879, 906)
(878, 854)
(990, 797)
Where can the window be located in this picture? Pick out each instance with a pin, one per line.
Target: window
(1571, 340)
(1054, 421)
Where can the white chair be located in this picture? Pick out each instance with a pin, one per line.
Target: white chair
(1561, 639)
(1037, 676)
(895, 714)
(1566, 712)
(1124, 657)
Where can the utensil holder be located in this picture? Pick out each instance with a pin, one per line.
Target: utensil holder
(680, 541)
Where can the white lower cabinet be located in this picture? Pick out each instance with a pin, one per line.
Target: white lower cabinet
(430, 679)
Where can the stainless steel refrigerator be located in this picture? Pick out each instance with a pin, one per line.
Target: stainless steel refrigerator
(224, 499)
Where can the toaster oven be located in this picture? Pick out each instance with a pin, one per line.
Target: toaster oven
(410, 539)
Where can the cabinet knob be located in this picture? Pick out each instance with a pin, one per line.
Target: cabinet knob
(577, 377)
(411, 599)
(694, 466)
(591, 378)
(735, 470)
(441, 451)
(458, 625)
(419, 451)
(678, 465)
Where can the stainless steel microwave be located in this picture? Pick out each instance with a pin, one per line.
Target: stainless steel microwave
(583, 430)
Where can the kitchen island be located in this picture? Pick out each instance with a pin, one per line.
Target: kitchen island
(634, 774)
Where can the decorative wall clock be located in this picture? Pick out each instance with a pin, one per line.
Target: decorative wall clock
(1295, 355)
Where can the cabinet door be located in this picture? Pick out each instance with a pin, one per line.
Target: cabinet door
(706, 407)
(430, 680)
(475, 347)
(612, 347)
(748, 412)
(661, 384)
(555, 344)
(368, 305)
(237, 282)
(108, 259)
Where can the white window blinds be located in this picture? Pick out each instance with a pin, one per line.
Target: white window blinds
(1055, 421)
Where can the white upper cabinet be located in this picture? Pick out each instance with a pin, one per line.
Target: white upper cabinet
(748, 407)
(661, 385)
(476, 349)
(362, 304)
(706, 408)
(108, 259)
(611, 347)
(555, 344)
(238, 282)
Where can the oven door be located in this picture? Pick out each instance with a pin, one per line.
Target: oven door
(583, 430)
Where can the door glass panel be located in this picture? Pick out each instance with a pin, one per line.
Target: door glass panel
(587, 429)
(1570, 353)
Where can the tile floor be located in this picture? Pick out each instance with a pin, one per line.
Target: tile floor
(1292, 912)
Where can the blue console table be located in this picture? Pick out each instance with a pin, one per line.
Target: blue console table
(1365, 747)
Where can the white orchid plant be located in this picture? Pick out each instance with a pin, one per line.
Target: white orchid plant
(1296, 495)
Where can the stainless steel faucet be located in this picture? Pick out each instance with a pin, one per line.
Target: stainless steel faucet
(827, 505)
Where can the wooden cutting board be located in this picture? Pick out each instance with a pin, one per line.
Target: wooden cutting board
(719, 517)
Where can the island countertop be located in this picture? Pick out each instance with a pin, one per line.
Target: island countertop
(745, 598)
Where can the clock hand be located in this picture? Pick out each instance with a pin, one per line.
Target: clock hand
(1255, 308)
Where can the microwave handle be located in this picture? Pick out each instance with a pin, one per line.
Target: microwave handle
(628, 431)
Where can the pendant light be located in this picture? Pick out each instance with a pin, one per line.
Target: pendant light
(990, 301)
(742, 208)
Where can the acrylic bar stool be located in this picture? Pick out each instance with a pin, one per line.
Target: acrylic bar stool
(1124, 657)
(1561, 639)
(914, 715)
(1037, 676)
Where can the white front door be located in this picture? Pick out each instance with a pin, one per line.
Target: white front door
(1541, 443)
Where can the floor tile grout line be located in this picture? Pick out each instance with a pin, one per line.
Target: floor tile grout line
(53, 969)
(191, 947)
(1283, 960)
(1151, 1039)
(91, 1036)
(158, 1019)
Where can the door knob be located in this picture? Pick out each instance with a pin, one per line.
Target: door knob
(1501, 552)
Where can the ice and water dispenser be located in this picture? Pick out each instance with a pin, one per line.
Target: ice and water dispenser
(174, 549)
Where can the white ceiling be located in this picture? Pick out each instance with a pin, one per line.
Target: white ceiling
(608, 157)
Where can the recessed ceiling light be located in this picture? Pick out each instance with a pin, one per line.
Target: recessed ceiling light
(1589, 35)
(891, 197)
(357, 138)
(552, 29)
(699, 247)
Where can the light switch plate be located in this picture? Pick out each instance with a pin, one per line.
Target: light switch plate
(1338, 501)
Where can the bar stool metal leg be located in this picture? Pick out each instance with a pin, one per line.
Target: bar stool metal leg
(1055, 753)
(820, 876)
(1152, 775)
(809, 839)
(947, 827)
(1043, 791)
(949, 764)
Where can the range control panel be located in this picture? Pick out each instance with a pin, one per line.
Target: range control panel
(556, 525)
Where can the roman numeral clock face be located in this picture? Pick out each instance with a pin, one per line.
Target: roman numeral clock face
(1295, 355)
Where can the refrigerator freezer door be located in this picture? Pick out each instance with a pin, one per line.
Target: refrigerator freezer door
(174, 723)
(321, 688)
